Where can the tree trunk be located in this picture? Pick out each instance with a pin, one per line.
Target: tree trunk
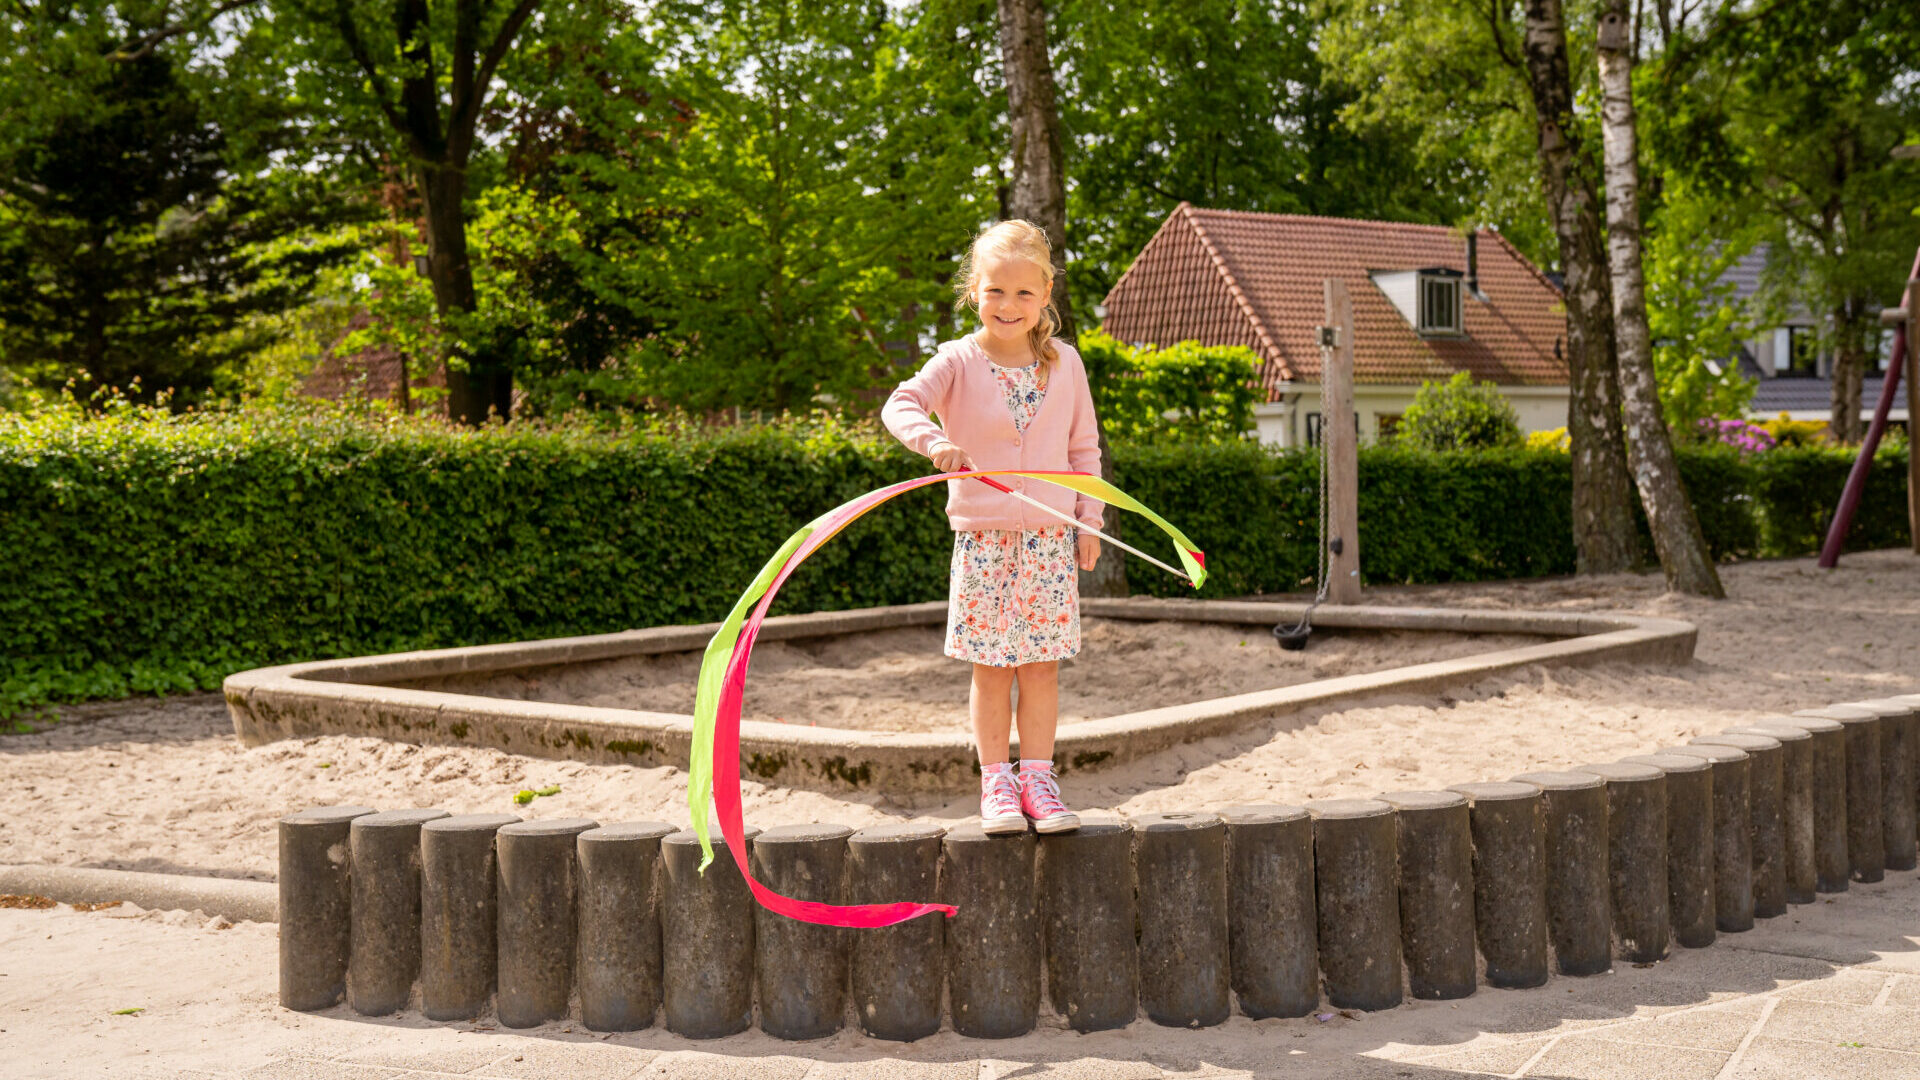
(1676, 532)
(1852, 330)
(1037, 192)
(486, 385)
(1604, 538)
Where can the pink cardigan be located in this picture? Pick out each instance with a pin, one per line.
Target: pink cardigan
(959, 385)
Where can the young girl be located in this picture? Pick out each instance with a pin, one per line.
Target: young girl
(1010, 396)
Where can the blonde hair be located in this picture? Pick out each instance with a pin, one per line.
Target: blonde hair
(1012, 240)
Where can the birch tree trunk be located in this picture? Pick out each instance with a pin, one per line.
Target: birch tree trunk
(1604, 537)
(1037, 192)
(1676, 531)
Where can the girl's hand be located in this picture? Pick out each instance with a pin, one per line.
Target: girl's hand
(950, 458)
(1089, 550)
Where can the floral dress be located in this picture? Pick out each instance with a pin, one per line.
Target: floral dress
(1014, 596)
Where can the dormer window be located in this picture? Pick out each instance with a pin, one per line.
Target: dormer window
(1428, 299)
(1439, 303)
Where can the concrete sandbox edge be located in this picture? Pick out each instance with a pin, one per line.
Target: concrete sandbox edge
(346, 696)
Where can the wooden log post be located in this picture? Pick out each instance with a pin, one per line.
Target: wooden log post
(1342, 437)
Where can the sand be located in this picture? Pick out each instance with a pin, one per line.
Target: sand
(164, 786)
(899, 680)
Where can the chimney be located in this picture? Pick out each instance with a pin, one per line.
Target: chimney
(1473, 264)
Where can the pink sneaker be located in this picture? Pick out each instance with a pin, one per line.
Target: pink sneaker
(1040, 800)
(1000, 801)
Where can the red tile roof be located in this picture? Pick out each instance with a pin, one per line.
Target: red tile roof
(1231, 277)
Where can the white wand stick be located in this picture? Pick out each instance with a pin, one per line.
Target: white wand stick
(1057, 515)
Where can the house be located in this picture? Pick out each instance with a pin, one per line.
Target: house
(1783, 354)
(1428, 302)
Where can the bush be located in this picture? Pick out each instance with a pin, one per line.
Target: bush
(1742, 436)
(1183, 393)
(148, 553)
(1459, 414)
(1787, 431)
(1795, 491)
(1551, 439)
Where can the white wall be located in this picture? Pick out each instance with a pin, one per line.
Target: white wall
(1284, 423)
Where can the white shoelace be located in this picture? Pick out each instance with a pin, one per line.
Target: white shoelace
(1044, 791)
(999, 794)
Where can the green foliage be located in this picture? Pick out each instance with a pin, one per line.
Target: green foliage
(714, 205)
(150, 553)
(1451, 73)
(1697, 328)
(1785, 115)
(1719, 481)
(1795, 491)
(1459, 414)
(1185, 392)
(136, 231)
(798, 244)
(1222, 103)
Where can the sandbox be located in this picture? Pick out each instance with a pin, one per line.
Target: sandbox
(480, 696)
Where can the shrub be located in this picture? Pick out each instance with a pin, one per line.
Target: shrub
(1459, 414)
(148, 553)
(1183, 393)
(1738, 434)
(1787, 431)
(1555, 439)
(1795, 491)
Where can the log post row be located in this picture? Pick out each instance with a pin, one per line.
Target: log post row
(1177, 916)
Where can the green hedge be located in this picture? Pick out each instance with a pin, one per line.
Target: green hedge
(151, 554)
(144, 555)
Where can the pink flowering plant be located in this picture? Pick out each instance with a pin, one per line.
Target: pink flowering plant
(1742, 436)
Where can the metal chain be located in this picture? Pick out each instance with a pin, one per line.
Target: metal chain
(1326, 556)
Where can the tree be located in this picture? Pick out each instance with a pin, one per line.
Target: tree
(139, 224)
(1604, 537)
(1676, 531)
(1696, 324)
(771, 228)
(1491, 90)
(1036, 190)
(415, 76)
(1792, 107)
(1223, 104)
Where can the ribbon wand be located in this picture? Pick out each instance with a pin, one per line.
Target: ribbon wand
(1058, 516)
(713, 766)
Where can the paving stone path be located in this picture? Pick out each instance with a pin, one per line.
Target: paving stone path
(1827, 992)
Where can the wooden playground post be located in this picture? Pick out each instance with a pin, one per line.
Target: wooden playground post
(1913, 412)
(1342, 437)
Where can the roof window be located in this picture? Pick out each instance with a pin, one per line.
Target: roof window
(1439, 303)
(1428, 299)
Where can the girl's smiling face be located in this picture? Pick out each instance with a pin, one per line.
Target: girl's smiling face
(1013, 293)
